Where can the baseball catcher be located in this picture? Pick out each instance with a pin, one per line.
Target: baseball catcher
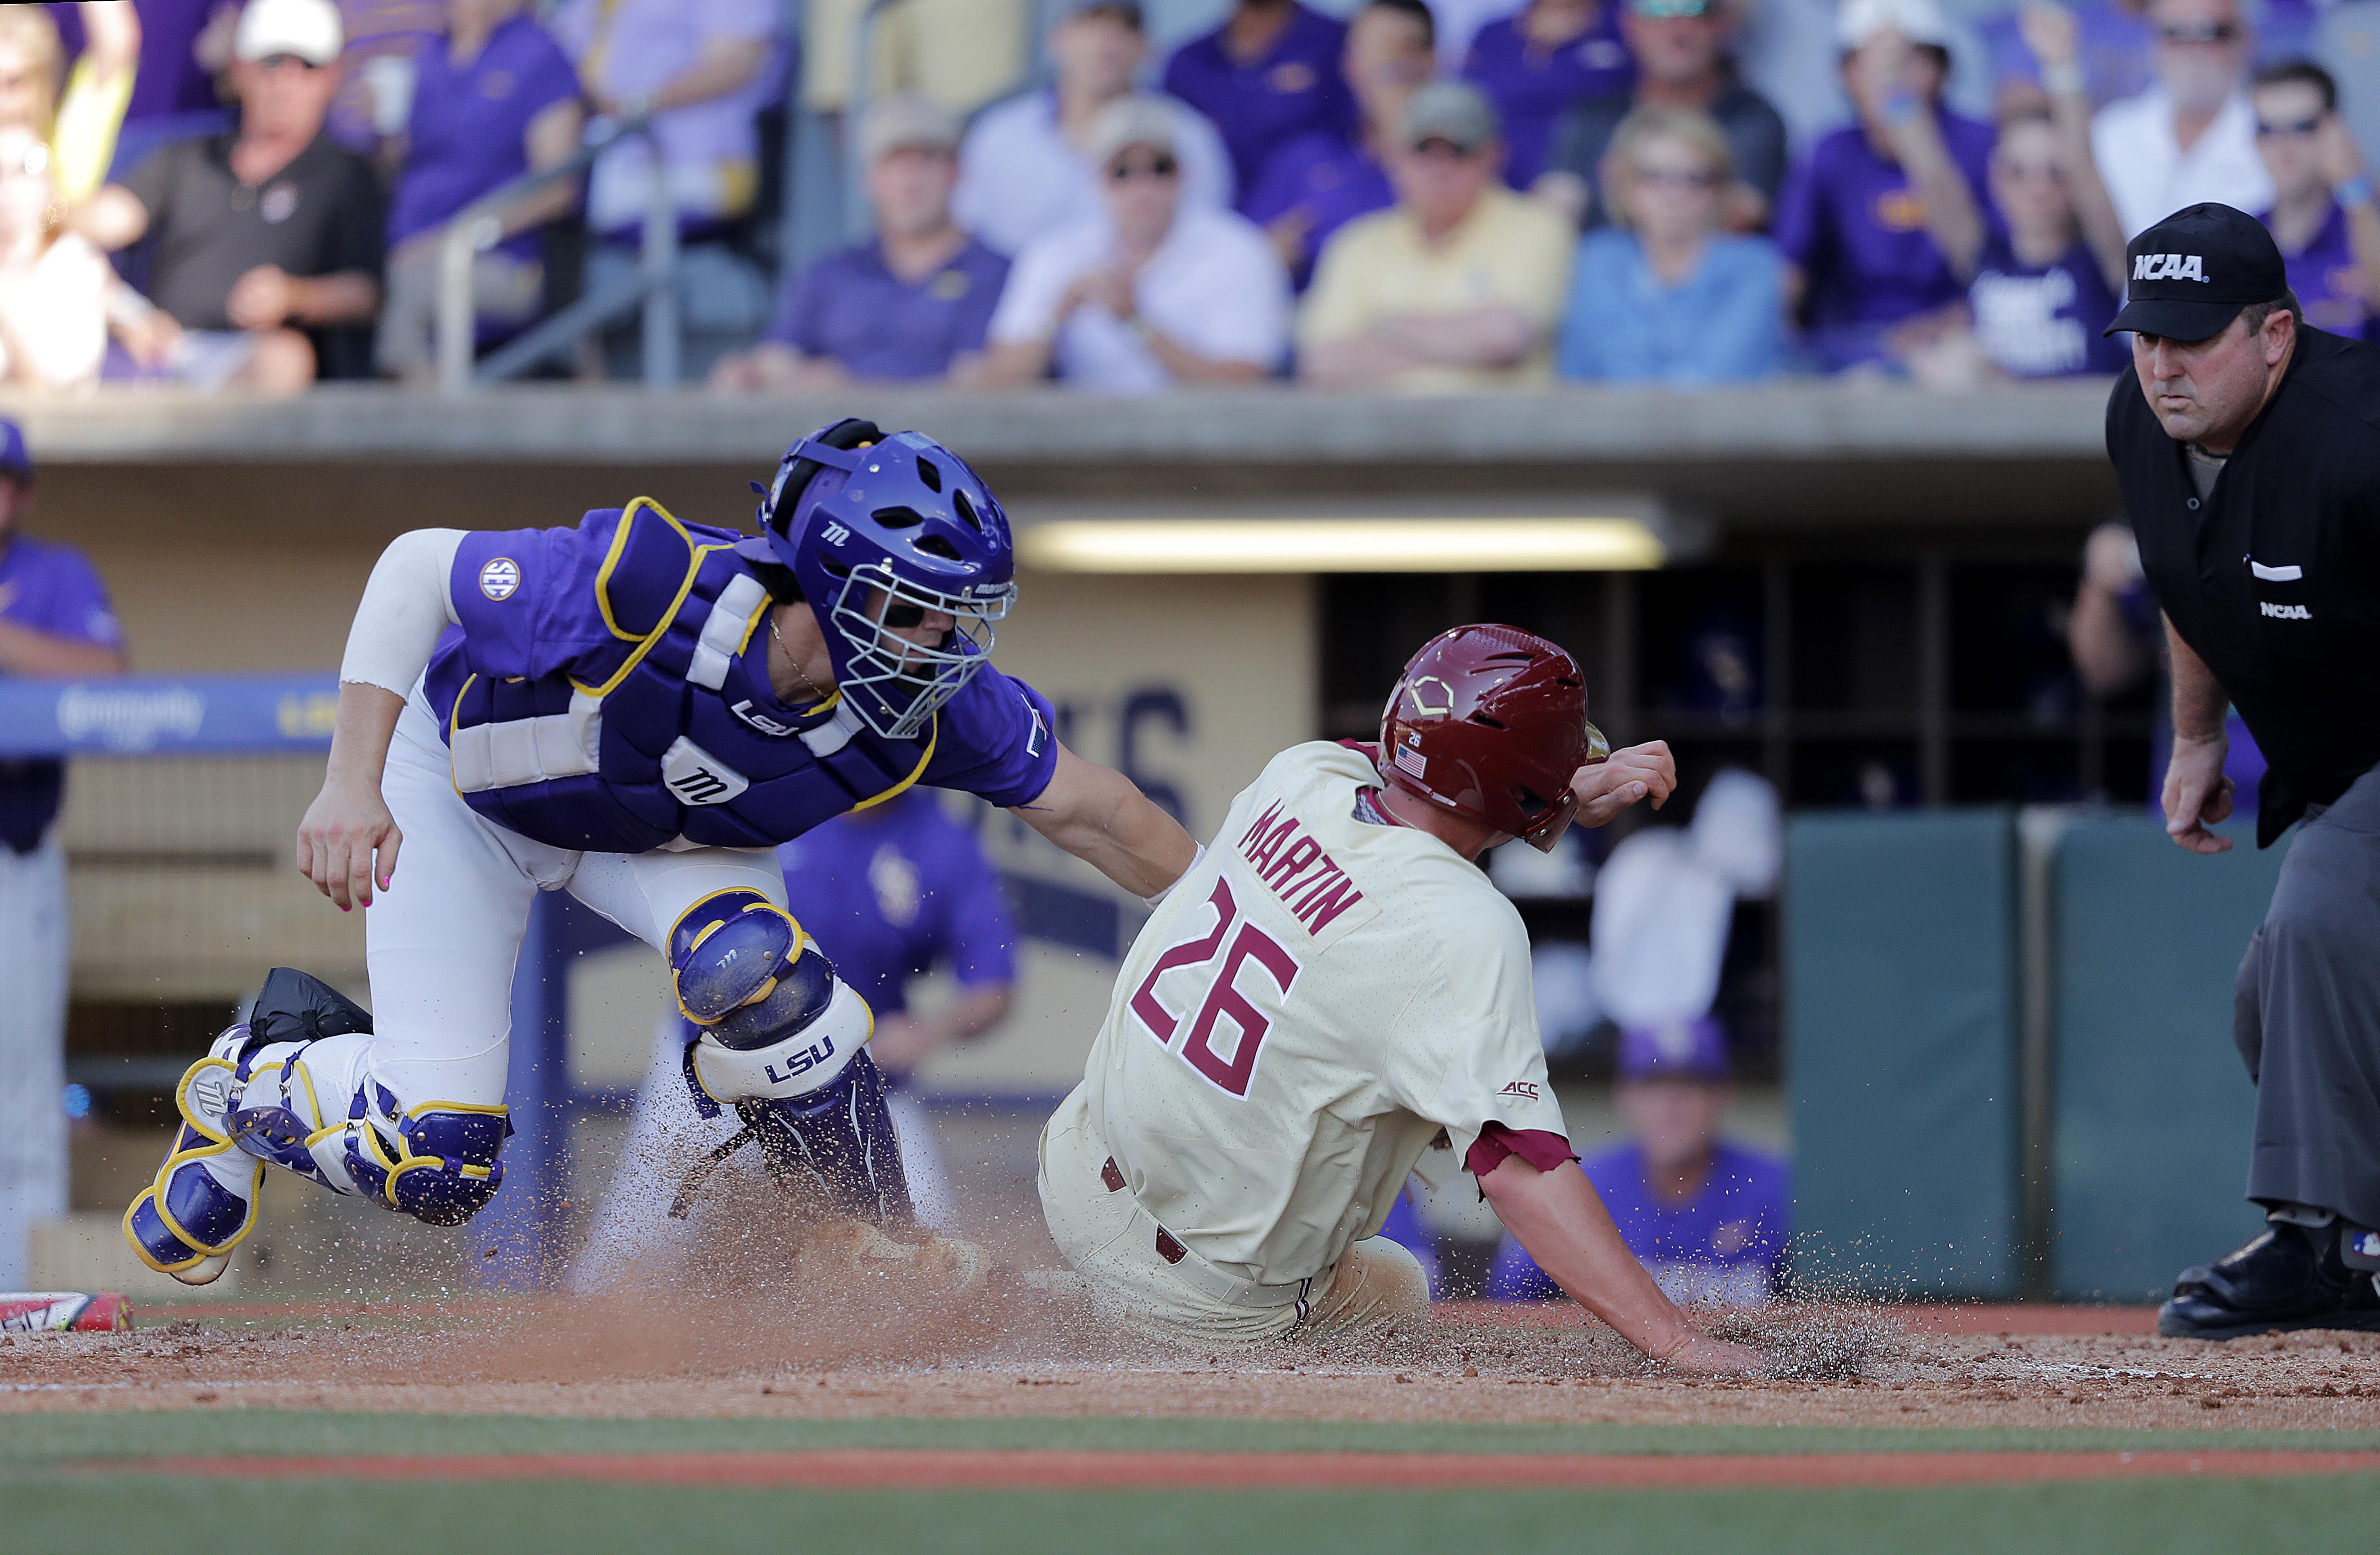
(636, 710)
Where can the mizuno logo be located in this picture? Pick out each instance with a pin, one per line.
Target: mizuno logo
(2168, 267)
(2284, 613)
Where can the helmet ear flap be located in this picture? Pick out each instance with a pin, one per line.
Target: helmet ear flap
(846, 434)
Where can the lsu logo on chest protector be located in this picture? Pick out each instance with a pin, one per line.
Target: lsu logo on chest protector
(2170, 267)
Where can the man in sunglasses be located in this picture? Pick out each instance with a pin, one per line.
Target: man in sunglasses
(2193, 136)
(1160, 290)
(2323, 214)
(1457, 289)
(2249, 457)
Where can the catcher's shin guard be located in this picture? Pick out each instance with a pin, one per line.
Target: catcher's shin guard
(781, 1041)
(250, 1101)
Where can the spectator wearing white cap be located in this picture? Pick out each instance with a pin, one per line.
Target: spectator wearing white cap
(1156, 291)
(1884, 219)
(1457, 288)
(2193, 136)
(267, 239)
(910, 304)
(1027, 169)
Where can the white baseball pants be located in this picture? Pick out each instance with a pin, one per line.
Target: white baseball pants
(33, 970)
(1111, 1243)
(441, 943)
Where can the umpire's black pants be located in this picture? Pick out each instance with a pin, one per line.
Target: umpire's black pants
(2306, 1016)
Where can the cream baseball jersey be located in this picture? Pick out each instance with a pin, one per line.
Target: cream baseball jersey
(1301, 1017)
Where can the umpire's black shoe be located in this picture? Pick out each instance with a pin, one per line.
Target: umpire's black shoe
(2290, 1277)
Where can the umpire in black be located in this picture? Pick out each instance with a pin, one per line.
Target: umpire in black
(2248, 447)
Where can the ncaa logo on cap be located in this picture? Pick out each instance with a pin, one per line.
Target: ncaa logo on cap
(2168, 267)
(2194, 272)
(500, 578)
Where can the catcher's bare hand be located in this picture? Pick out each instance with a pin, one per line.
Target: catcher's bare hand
(348, 843)
(1631, 773)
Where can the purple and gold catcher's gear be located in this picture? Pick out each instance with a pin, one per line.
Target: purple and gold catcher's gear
(253, 1101)
(608, 691)
(781, 1041)
(879, 531)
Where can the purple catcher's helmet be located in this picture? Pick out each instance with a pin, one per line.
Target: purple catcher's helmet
(879, 531)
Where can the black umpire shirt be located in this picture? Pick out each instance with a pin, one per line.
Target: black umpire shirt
(2274, 579)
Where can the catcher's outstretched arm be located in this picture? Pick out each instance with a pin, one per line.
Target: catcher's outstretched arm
(1102, 817)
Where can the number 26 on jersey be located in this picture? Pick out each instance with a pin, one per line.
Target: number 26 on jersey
(1223, 1000)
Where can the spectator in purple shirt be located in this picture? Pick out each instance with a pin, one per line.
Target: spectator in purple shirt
(492, 99)
(1534, 65)
(910, 304)
(1707, 1219)
(55, 620)
(1324, 179)
(1266, 77)
(2323, 215)
(1885, 217)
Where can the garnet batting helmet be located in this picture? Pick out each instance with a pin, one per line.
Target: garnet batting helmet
(1491, 722)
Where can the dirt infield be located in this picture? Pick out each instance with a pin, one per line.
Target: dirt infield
(909, 1469)
(1971, 1368)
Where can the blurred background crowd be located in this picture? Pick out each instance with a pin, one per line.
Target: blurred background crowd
(1123, 197)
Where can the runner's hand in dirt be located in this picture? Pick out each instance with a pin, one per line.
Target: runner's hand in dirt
(1702, 1356)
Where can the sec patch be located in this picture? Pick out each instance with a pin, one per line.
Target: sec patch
(500, 578)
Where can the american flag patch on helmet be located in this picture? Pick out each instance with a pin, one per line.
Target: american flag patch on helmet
(1409, 760)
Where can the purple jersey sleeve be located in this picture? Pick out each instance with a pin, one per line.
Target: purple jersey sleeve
(996, 739)
(979, 933)
(527, 598)
(56, 591)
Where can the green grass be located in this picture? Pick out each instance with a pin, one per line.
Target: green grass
(122, 1515)
(27, 1440)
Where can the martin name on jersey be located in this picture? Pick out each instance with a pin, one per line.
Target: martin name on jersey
(1312, 1007)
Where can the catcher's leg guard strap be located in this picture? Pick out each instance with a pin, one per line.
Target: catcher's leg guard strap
(436, 1162)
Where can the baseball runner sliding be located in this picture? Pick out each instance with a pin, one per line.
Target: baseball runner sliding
(1331, 989)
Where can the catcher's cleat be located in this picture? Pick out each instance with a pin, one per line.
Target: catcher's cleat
(2289, 1277)
(203, 1203)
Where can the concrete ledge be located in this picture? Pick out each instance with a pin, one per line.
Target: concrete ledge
(1800, 420)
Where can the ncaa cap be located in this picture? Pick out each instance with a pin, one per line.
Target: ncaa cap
(2187, 278)
(1454, 111)
(309, 29)
(1683, 1049)
(16, 460)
